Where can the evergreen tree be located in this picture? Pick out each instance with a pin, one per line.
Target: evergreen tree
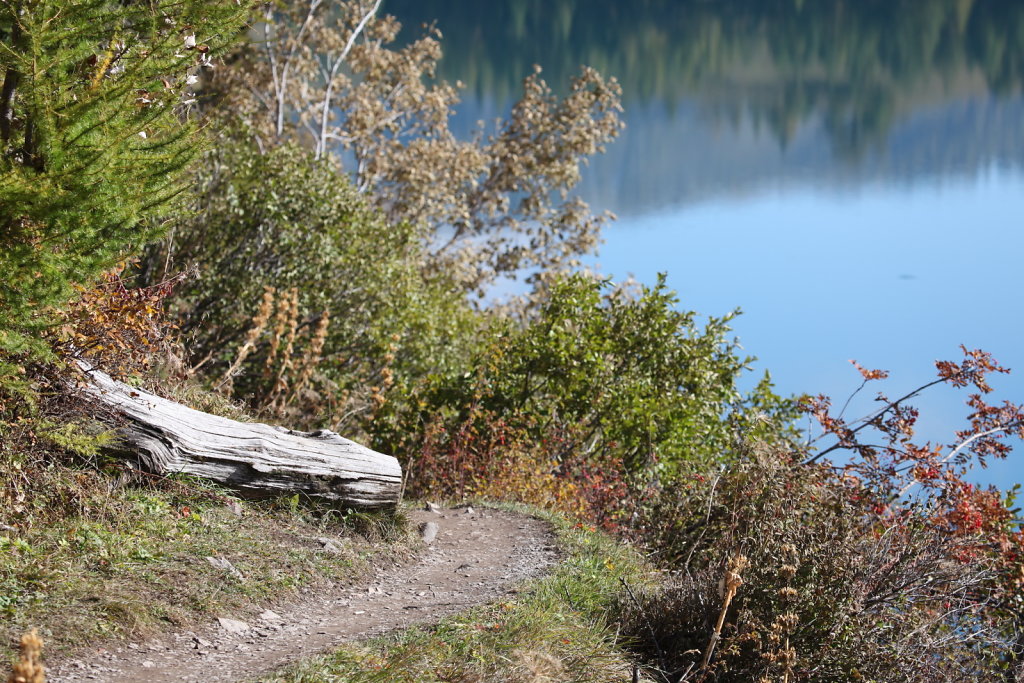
(95, 138)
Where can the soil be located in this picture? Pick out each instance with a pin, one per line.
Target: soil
(477, 556)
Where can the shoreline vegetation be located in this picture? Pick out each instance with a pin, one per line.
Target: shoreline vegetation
(260, 211)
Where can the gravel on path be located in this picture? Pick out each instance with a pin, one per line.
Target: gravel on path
(477, 556)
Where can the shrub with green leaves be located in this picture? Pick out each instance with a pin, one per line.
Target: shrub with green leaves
(284, 220)
(605, 376)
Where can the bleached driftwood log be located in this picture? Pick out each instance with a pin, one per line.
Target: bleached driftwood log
(258, 460)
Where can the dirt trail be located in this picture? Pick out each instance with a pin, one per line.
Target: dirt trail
(476, 557)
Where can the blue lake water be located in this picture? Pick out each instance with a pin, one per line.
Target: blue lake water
(850, 175)
(895, 277)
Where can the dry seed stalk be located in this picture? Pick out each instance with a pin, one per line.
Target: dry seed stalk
(259, 323)
(788, 622)
(313, 356)
(29, 667)
(277, 334)
(730, 584)
(290, 318)
(378, 395)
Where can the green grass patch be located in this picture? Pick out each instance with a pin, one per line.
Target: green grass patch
(556, 628)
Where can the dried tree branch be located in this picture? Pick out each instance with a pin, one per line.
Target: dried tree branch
(329, 90)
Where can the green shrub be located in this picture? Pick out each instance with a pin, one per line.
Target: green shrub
(286, 221)
(602, 376)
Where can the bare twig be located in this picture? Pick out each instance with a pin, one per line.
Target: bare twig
(953, 453)
(704, 529)
(870, 419)
(279, 73)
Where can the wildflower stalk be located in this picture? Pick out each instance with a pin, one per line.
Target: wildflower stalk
(731, 584)
(259, 323)
(29, 667)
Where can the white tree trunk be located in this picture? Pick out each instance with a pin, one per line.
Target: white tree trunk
(258, 460)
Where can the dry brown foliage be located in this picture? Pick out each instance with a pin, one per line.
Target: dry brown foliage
(29, 667)
(328, 73)
(832, 591)
(117, 326)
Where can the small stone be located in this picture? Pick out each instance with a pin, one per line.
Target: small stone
(232, 625)
(469, 510)
(430, 507)
(201, 642)
(267, 615)
(429, 532)
(329, 545)
(149, 664)
(225, 565)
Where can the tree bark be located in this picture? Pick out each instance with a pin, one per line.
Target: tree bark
(11, 78)
(257, 460)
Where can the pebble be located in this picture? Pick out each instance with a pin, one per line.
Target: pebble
(232, 625)
(225, 565)
(329, 545)
(429, 532)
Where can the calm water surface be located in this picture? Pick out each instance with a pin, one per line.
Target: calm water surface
(851, 175)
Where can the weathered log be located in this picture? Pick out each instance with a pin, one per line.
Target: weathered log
(257, 460)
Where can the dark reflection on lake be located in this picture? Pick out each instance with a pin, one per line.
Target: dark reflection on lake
(850, 173)
(723, 96)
